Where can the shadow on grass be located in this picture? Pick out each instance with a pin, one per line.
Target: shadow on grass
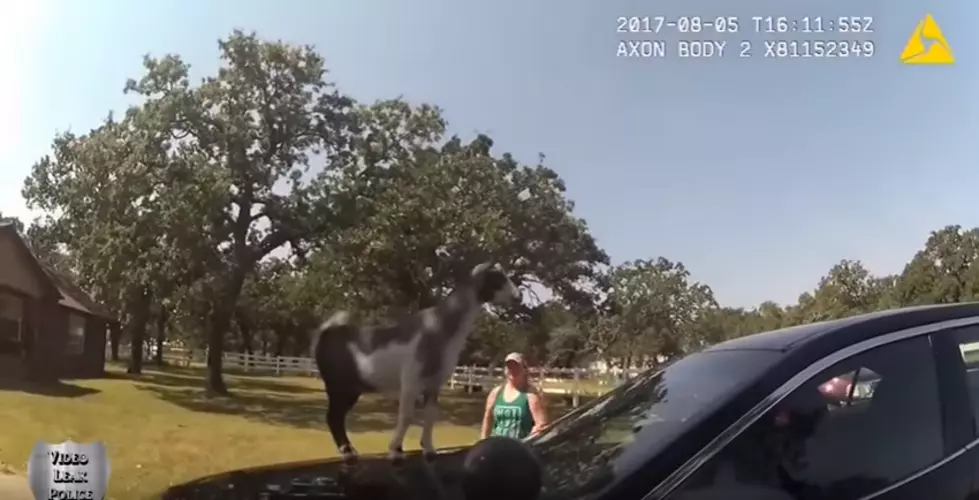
(277, 402)
(57, 389)
(181, 377)
(279, 410)
(372, 413)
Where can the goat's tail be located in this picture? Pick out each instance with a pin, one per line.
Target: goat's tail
(339, 318)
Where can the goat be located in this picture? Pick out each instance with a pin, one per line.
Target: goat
(411, 358)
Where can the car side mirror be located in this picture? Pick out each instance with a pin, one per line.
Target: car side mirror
(501, 468)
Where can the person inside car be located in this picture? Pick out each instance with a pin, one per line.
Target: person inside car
(768, 456)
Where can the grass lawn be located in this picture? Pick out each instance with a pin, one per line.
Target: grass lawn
(160, 429)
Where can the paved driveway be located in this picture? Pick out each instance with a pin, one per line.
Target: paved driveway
(14, 488)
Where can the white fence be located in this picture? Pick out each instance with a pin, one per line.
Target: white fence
(570, 382)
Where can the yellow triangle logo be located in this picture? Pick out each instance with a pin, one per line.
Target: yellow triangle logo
(918, 50)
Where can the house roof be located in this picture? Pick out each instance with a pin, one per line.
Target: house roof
(47, 284)
(75, 298)
(55, 283)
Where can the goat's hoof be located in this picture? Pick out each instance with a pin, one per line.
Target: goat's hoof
(397, 457)
(430, 456)
(348, 454)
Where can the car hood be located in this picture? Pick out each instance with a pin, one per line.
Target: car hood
(373, 477)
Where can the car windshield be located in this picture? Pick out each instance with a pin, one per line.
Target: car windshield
(584, 451)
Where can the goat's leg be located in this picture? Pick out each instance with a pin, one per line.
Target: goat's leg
(338, 406)
(406, 411)
(429, 416)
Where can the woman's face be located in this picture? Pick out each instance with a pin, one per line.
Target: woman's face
(515, 372)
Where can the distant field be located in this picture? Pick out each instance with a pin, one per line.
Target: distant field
(160, 429)
(591, 387)
(553, 381)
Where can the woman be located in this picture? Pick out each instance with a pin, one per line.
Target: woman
(516, 408)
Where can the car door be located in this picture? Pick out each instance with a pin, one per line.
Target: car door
(896, 438)
(959, 352)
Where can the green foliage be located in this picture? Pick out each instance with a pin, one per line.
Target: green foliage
(658, 309)
(243, 209)
(434, 213)
(176, 208)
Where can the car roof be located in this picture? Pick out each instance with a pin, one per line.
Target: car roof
(857, 328)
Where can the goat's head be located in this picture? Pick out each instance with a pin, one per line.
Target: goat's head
(492, 284)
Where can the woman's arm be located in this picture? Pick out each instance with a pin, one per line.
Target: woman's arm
(535, 399)
(488, 414)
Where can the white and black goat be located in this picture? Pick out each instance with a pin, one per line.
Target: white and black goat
(411, 358)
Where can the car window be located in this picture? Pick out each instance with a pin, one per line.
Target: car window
(968, 340)
(822, 442)
(850, 389)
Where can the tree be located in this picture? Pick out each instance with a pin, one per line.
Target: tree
(48, 246)
(555, 336)
(883, 291)
(246, 208)
(252, 130)
(659, 310)
(426, 214)
(491, 339)
(725, 323)
(103, 194)
(602, 335)
(219, 175)
(846, 290)
(275, 309)
(944, 271)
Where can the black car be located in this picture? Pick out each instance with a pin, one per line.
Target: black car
(744, 419)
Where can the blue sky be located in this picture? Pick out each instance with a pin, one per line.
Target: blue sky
(758, 174)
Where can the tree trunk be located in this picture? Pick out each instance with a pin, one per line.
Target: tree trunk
(280, 343)
(220, 322)
(137, 332)
(246, 335)
(246, 340)
(161, 335)
(115, 335)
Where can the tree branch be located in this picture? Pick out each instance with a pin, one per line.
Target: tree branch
(274, 240)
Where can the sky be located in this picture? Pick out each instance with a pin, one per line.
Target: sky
(757, 173)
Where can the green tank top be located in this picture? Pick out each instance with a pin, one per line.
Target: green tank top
(511, 418)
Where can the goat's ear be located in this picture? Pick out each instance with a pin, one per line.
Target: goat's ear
(480, 269)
